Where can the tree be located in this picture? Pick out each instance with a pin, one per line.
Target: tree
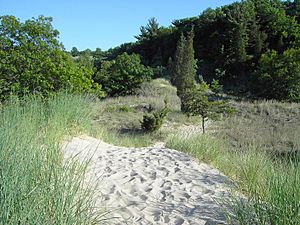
(183, 67)
(124, 75)
(196, 103)
(98, 54)
(74, 52)
(33, 61)
(87, 52)
(149, 31)
(216, 87)
(278, 75)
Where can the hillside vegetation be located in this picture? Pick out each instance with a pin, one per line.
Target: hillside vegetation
(251, 47)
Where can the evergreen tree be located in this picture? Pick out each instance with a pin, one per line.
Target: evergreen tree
(183, 68)
(196, 103)
(149, 31)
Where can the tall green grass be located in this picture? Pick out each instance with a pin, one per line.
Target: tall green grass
(36, 187)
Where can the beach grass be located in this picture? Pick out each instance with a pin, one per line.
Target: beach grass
(37, 186)
(259, 149)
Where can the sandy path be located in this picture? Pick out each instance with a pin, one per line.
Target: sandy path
(153, 185)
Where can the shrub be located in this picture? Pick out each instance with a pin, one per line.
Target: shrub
(124, 75)
(216, 87)
(278, 75)
(154, 121)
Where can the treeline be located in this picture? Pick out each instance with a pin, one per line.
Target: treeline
(250, 47)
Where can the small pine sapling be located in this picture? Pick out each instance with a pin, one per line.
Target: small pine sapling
(196, 103)
(153, 122)
(216, 87)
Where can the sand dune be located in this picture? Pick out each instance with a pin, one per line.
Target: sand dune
(152, 185)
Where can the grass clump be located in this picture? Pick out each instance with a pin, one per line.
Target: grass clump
(36, 187)
(271, 188)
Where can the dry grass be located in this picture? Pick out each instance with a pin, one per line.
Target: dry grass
(270, 126)
(117, 120)
(244, 147)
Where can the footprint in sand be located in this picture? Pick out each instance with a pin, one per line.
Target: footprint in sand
(153, 186)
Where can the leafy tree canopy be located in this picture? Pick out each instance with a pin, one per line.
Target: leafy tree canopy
(278, 75)
(123, 75)
(33, 61)
(228, 41)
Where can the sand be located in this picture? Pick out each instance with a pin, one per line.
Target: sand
(153, 185)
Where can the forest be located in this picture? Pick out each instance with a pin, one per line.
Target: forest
(250, 47)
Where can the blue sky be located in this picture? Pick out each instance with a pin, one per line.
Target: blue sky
(104, 23)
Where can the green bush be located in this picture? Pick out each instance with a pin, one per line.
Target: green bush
(216, 87)
(124, 75)
(278, 75)
(153, 122)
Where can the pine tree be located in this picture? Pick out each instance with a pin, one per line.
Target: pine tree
(183, 69)
(196, 103)
(149, 31)
(190, 61)
(176, 68)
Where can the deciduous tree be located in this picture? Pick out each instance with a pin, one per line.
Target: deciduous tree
(33, 61)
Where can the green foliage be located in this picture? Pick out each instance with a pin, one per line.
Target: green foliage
(74, 52)
(216, 87)
(124, 75)
(229, 39)
(203, 86)
(153, 122)
(149, 31)
(183, 69)
(278, 75)
(37, 185)
(33, 61)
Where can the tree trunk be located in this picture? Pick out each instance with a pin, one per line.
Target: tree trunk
(203, 125)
